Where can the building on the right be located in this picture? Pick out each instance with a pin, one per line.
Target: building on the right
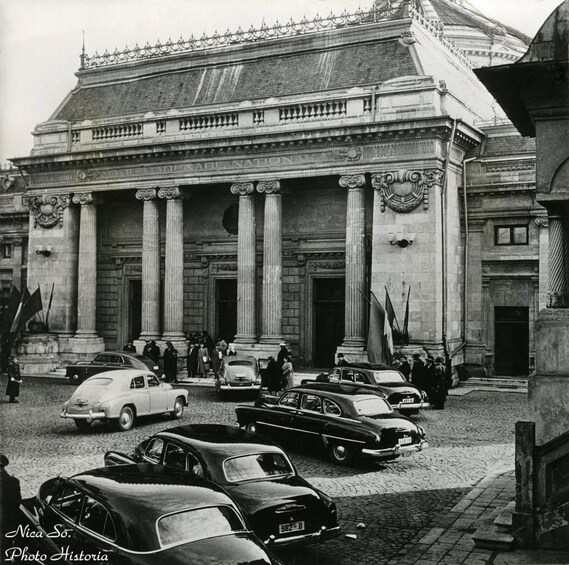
(534, 92)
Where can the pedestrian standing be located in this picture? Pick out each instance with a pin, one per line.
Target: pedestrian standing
(429, 376)
(282, 354)
(171, 363)
(216, 358)
(341, 360)
(223, 346)
(14, 379)
(231, 351)
(203, 360)
(405, 368)
(274, 376)
(192, 360)
(418, 372)
(11, 498)
(129, 347)
(152, 351)
(287, 374)
(439, 389)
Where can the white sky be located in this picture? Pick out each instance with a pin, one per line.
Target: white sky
(40, 41)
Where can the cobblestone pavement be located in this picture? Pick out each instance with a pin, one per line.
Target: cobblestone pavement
(399, 502)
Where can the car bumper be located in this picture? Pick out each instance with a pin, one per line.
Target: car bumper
(89, 416)
(410, 405)
(323, 534)
(248, 387)
(397, 450)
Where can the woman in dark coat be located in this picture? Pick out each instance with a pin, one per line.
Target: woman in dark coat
(14, 380)
(274, 376)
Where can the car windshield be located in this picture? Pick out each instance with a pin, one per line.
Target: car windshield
(372, 406)
(196, 524)
(240, 363)
(256, 466)
(388, 377)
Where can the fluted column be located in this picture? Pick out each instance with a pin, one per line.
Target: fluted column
(272, 305)
(87, 266)
(17, 262)
(355, 261)
(173, 265)
(150, 326)
(246, 295)
(558, 296)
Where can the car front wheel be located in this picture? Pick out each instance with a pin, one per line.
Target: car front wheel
(178, 408)
(126, 419)
(341, 454)
(82, 425)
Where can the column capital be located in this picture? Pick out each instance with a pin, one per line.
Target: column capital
(87, 198)
(542, 222)
(146, 194)
(171, 193)
(242, 188)
(269, 186)
(352, 181)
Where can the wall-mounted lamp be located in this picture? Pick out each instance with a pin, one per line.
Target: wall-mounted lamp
(44, 250)
(401, 239)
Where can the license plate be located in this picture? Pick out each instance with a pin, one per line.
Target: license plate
(405, 440)
(407, 400)
(292, 527)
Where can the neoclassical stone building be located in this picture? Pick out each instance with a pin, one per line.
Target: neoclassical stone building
(259, 184)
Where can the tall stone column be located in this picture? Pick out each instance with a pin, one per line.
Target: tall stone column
(543, 224)
(87, 267)
(150, 264)
(355, 332)
(174, 265)
(558, 259)
(246, 273)
(272, 305)
(17, 262)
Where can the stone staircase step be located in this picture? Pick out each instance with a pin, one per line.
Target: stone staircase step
(488, 537)
(495, 382)
(504, 520)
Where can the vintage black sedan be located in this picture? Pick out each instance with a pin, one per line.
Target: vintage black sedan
(109, 361)
(401, 394)
(348, 421)
(282, 508)
(136, 514)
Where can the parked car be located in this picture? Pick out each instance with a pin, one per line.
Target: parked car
(138, 515)
(238, 374)
(282, 508)
(347, 421)
(401, 394)
(109, 361)
(121, 396)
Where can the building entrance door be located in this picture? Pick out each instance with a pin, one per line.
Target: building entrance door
(328, 332)
(226, 309)
(134, 309)
(511, 347)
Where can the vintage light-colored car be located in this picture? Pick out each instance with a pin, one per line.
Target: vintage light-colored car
(121, 396)
(239, 373)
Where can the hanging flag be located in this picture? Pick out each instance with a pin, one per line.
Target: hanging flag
(379, 340)
(23, 299)
(391, 312)
(11, 310)
(406, 320)
(32, 306)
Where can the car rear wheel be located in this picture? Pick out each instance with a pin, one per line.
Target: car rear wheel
(82, 425)
(74, 379)
(178, 408)
(252, 427)
(341, 454)
(126, 419)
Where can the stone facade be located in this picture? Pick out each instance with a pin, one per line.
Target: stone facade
(266, 209)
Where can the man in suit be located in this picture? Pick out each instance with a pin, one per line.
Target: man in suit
(10, 502)
(170, 363)
(192, 360)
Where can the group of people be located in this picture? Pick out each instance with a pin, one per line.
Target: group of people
(429, 375)
(279, 372)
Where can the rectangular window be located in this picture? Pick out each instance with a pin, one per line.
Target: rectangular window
(6, 250)
(511, 235)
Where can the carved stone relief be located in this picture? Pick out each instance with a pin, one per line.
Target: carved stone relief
(47, 210)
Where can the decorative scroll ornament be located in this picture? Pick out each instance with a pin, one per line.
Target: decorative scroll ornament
(242, 188)
(170, 192)
(47, 209)
(269, 187)
(85, 199)
(542, 222)
(352, 181)
(352, 153)
(146, 194)
(7, 181)
(407, 38)
(403, 191)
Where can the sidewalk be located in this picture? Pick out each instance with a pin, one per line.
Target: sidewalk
(450, 542)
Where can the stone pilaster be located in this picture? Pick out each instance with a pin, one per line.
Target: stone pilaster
(272, 305)
(543, 225)
(87, 267)
(174, 265)
(355, 331)
(17, 262)
(150, 264)
(246, 292)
